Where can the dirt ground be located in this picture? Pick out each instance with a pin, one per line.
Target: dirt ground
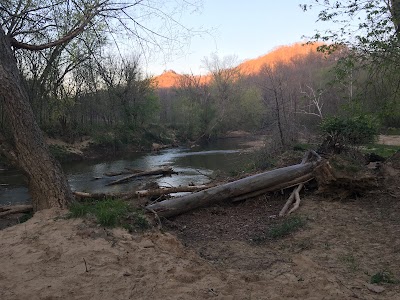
(218, 252)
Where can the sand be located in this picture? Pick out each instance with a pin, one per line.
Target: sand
(51, 257)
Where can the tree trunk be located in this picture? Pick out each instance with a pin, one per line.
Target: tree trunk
(47, 183)
(264, 181)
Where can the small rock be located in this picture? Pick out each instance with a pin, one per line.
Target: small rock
(147, 244)
(375, 288)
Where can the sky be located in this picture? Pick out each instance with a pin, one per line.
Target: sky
(244, 29)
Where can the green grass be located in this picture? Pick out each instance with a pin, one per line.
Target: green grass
(285, 228)
(290, 225)
(110, 213)
(350, 261)
(25, 217)
(381, 150)
(383, 277)
(302, 147)
(392, 131)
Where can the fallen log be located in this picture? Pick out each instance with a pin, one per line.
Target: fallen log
(15, 209)
(284, 185)
(141, 193)
(125, 172)
(261, 182)
(162, 171)
(166, 191)
(96, 196)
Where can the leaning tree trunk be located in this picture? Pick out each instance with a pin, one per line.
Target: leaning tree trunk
(48, 185)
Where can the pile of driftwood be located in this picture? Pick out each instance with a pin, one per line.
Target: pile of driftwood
(295, 176)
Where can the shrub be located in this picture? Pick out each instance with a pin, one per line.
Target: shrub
(289, 226)
(383, 277)
(339, 131)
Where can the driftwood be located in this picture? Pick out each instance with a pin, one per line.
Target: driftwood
(166, 191)
(15, 209)
(268, 181)
(162, 171)
(142, 193)
(124, 172)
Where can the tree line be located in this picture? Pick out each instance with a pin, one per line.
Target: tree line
(56, 76)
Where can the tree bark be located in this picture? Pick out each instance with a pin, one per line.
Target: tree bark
(47, 183)
(263, 181)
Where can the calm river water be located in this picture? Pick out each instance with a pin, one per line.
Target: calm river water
(193, 165)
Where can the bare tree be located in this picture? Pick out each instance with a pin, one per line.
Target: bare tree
(36, 26)
(313, 101)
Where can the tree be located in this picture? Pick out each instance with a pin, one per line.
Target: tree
(378, 30)
(36, 26)
(370, 29)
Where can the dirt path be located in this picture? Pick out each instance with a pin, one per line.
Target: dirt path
(392, 140)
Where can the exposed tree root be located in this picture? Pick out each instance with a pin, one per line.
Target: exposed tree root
(15, 209)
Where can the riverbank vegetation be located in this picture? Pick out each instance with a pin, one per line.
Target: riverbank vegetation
(294, 101)
(66, 84)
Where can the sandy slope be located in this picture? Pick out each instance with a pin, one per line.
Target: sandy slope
(44, 259)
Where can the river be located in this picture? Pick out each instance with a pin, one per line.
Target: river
(195, 166)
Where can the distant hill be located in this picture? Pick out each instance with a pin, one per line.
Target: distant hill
(282, 54)
(168, 79)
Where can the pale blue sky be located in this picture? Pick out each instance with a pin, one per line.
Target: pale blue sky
(244, 29)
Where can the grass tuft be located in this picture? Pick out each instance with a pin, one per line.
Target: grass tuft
(290, 225)
(287, 227)
(383, 277)
(111, 213)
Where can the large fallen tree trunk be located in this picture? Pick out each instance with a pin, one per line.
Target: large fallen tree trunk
(162, 171)
(268, 181)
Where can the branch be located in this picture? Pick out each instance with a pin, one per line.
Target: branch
(89, 16)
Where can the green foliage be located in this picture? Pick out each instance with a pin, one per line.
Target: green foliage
(109, 213)
(381, 150)
(111, 139)
(383, 277)
(59, 152)
(369, 49)
(25, 217)
(350, 261)
(288, 226)
(350, 131)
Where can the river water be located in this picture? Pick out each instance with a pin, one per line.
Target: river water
(195, 166)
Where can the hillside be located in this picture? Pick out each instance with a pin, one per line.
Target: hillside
(282, 54)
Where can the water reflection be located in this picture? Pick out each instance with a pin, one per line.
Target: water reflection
(193, 165)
